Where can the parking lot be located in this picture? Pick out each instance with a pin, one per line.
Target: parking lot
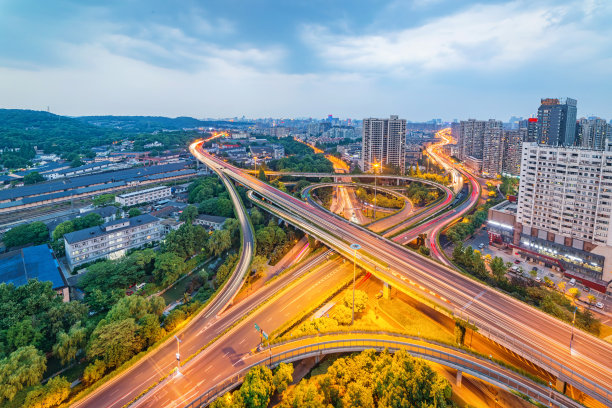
(480, 241)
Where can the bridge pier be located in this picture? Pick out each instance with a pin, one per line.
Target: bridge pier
(386, 290)
(561, 386)
(459, 378)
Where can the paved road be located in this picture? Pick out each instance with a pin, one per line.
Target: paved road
(226, 354)
(524, 327)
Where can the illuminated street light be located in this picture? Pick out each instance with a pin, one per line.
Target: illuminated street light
(178, 356)
(572, 337)
(376, 165)
(355, 248)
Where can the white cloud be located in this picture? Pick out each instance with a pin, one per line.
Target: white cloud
(485, 37)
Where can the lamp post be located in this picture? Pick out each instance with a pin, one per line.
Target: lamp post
(375, 189)
(178, 356)
(572, 337)
(255, 162)
(355, 248)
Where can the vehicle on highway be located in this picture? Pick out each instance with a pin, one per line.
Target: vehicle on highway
(599, 305)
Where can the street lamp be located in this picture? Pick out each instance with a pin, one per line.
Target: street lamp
(178, 356)
(255, 162)
(355, 248)
(572, 337)
(376, 165)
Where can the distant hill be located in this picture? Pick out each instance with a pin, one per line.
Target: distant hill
(148, 124)
(53, 133)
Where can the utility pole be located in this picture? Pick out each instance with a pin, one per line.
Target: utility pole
(355, 248)
(572, 337)
(178, 356)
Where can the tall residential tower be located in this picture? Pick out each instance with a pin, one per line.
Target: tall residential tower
(384, 141)
(557, 122)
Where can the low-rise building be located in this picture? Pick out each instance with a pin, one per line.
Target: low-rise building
(144, 196)
(170, 224)
(210, 221)
(35, 262)
(111, 240)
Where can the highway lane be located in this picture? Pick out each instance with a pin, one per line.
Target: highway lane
(228, 354)
(524, 325)
(200, 332)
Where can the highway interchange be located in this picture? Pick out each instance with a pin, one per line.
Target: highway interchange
(526, 328)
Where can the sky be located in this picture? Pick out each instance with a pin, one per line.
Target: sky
(420, 59)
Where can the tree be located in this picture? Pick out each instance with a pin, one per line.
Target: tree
(23, 334)
(103, 199)
(533, 273)
(219, 241)
(51, 394)
(561, 285)
(283, 376)
(189, 214)
(62, 229)
(149, 331)
(574, 293)
(134, 212)
(262, 175)
(69, 344)
(591, 300)
(257, 387)
(258, 264)
(169, 267)
(305, 395)
(361, 300)
(257, 217)
(498, 267)
(33, 233)
(115, 342)
(33, 178)
(94, 372)
(22, 368)
(343, 314)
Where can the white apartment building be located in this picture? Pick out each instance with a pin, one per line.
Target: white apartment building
(144, 196)
(565, 207)
(384, 142)
(111, 240)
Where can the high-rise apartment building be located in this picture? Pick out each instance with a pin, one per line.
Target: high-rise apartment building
(513, 141)
(481, 145)
(384, 141)
(557, 122)
(592, 133)
(565, 208)
(531, 129)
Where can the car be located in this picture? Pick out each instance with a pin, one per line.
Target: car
(538, 279)
(516, 261)
(599, 305)
(535, 268)
(572, 281)
(587, 289)
(481, 246)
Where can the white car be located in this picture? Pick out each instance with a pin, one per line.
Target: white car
(599, 305)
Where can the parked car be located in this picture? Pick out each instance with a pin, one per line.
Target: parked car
(572, 281)
(587, 289)
(481, 246)
(599, 305)
(538, 279)
(516, 261)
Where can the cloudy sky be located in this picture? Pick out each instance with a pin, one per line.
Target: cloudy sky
(420, 59)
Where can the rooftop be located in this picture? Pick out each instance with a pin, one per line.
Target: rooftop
(99, 231)
(36, 262)
(211, 218)
(139, 192)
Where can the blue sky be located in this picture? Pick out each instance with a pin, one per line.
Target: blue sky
(420, 59)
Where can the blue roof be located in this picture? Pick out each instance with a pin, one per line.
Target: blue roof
(36, 262)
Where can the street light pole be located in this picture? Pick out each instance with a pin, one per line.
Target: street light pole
(178, 356)
(355, 248)
(572, 337)
(375, 190)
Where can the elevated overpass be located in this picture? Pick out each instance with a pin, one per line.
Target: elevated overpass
(347, 342)
(525, 330)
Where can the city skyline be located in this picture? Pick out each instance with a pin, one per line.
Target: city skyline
(229, 60)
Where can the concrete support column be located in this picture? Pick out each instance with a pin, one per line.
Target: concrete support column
(561, 386)
(459, 377)
(386, 290)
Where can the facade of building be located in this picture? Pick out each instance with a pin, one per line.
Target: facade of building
(513, 141)
(111, 240)
(384, 142)
(144, 196)
(557, 122)
(592, 133)
(565, 208)
(210, 221)
(481, 144)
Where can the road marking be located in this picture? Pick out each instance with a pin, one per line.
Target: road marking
(209, 367)
(243, 340)
(473, 299)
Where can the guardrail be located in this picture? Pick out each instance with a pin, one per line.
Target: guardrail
(476, 367)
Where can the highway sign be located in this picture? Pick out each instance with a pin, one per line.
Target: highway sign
(264, 334)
